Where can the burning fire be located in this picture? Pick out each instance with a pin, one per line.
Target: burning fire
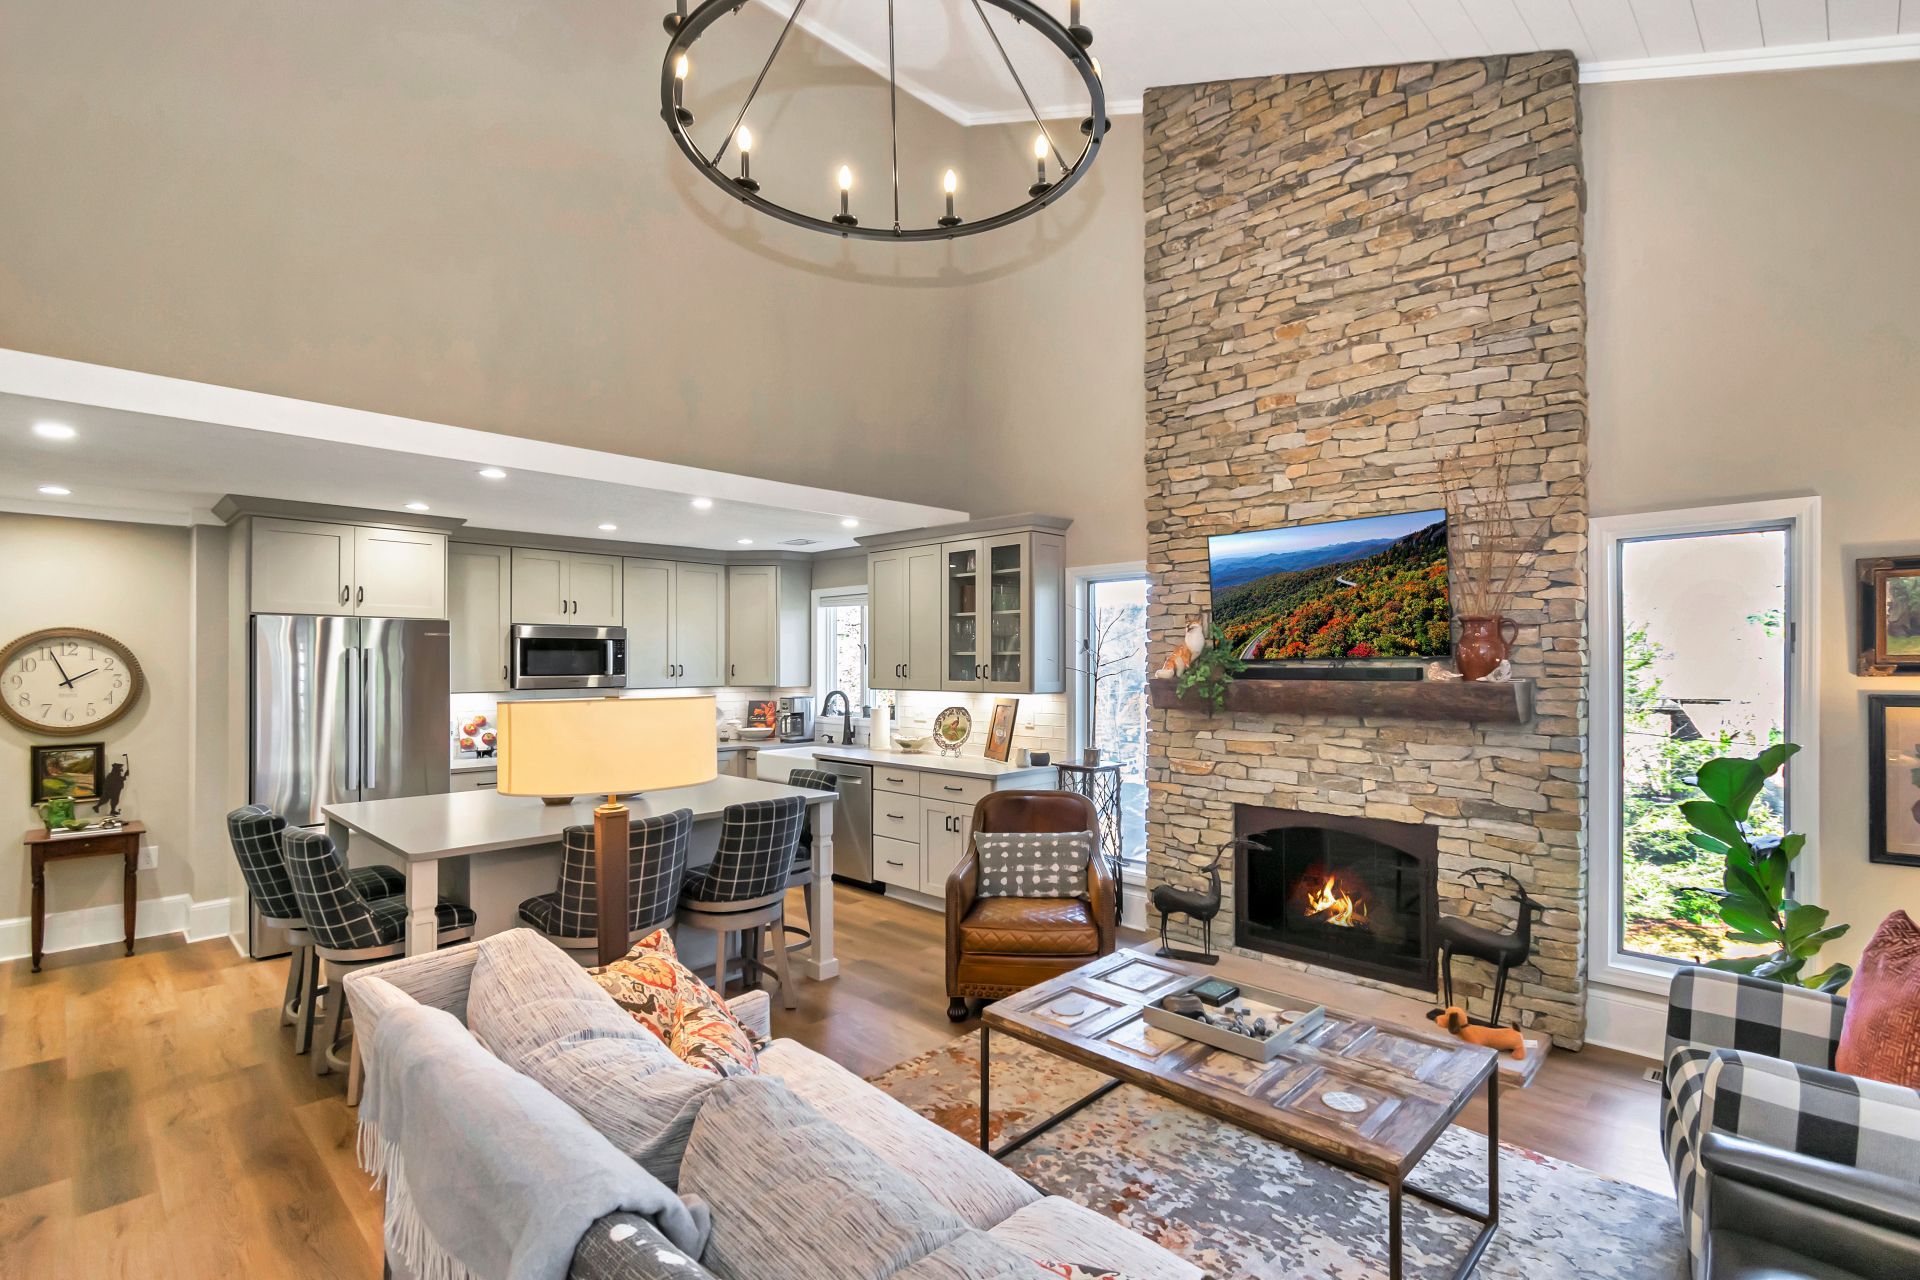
(1341, 908)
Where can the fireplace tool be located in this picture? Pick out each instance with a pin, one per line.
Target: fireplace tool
(1197, 904)
(1505, 951)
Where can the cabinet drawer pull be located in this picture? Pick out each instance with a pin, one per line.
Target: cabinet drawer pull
(954, 789)
(892, 863)
(898, 817)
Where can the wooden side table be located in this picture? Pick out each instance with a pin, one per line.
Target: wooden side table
(45, 848)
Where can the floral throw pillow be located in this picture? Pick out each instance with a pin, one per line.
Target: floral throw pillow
(1075, 1271)
(668, 999)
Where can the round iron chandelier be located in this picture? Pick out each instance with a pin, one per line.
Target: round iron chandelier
(1070, 39)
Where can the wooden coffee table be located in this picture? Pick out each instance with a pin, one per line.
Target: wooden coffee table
(1395, 1089)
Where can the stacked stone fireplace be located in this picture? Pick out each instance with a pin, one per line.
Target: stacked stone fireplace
(1352, 278)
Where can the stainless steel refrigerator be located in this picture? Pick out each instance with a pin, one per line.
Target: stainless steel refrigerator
(343, 709)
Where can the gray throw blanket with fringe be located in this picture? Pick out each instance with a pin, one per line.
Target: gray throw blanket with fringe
(488, 1176)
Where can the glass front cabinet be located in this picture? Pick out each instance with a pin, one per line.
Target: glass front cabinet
(1002, 614)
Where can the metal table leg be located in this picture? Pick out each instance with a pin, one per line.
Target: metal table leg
(1489, 1218)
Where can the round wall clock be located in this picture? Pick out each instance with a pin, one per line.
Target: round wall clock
(68, 680)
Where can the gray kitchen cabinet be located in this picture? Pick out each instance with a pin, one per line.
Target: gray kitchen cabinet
(768, 627)
(1003, 605)
(905, 619)
(480, 614)
(313, 567)
(676, 623)
(946, 831)
(563, 587)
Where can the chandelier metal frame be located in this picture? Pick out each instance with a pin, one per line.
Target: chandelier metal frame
(1071, 42)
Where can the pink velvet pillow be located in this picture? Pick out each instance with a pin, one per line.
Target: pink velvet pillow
(1880, 1039)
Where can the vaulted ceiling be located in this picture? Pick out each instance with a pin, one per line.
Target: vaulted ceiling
(947, 60)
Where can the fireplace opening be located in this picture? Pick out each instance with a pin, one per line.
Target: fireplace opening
(1354, 894)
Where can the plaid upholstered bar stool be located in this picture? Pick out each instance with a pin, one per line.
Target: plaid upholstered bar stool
(349, 929)
(744, 889)
(656, 864)
(256, 833)
(802, 876)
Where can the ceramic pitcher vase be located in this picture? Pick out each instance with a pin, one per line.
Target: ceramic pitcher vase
(1483, 645)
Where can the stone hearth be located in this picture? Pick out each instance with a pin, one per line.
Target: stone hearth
(1351, 277)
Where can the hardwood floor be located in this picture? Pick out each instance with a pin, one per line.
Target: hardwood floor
(159, 1125)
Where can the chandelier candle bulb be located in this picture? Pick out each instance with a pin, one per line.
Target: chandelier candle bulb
(1040, 182)
(681, 67)
(744, 140)
(845, 217)
(952, 184)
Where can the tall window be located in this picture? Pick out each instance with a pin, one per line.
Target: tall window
(1110, 693)
(1700, 656)
(841, 622)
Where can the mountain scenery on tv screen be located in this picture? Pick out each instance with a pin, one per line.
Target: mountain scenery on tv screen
(1372, 588)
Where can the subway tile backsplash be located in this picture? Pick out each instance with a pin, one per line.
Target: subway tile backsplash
(1041, 724)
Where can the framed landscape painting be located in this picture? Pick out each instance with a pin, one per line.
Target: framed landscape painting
(1889, 616)
(72, 769)
(1893, 784)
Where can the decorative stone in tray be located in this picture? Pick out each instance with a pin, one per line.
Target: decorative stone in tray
(1253, 1025)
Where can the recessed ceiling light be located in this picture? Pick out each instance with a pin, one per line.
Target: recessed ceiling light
(418, 506)
(53, 431)
(492, 473)
(55, 491)
(703, 504)
(849, 523)
(745, 542)
(609, 528)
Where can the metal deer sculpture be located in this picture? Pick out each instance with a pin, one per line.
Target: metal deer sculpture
(1505, 951)
(1198, 904)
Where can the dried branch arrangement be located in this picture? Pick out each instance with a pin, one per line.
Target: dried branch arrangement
(1492, 536)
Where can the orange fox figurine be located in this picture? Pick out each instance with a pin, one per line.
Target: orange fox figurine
(1502, 1039)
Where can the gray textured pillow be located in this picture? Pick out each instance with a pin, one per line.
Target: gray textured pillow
(536, 1009)
(1014, 865)
(793, 1194)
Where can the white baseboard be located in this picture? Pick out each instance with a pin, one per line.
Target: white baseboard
(98, 926)
(1630, 1021)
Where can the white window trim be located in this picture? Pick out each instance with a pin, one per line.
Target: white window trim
(1606, 965)
(1079, 579)
(824, 597)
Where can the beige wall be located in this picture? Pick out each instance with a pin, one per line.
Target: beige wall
(472, 214)
(134, 583)
(1753, 270)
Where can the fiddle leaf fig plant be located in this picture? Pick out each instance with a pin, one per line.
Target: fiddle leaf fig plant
(1753, 896)
(1211, 671)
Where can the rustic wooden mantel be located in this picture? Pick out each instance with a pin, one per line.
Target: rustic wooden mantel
(1473, 701)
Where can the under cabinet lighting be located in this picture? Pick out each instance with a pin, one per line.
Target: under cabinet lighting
(55, 491)
(53, 431)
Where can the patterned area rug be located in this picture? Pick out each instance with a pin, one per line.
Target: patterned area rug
(1237, 1205)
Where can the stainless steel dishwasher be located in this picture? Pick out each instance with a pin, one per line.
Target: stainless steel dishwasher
(852, 821)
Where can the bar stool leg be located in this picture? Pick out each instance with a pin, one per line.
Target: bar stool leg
(309, 1001)
(323, 1061)
(781, 964)
(290, 999)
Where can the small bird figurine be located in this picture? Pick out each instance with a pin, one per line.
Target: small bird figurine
(1197, 904)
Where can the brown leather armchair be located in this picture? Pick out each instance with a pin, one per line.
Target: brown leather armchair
(997, 946)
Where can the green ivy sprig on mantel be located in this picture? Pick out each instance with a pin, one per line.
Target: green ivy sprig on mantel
(1212, 671)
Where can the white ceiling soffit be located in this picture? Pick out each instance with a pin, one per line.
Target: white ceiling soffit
(947, 61)
(164, 450)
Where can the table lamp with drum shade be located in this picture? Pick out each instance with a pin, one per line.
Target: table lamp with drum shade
(606, 747)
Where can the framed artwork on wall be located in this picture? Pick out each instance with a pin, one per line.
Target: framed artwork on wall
(70, 770)
(1000, 736)
(1893, 778)
(1889, 616)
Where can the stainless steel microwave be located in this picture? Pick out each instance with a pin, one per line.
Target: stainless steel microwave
(546, 657)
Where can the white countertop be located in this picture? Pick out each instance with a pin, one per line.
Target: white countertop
(926, 761)
(452, 824)
(478, 762)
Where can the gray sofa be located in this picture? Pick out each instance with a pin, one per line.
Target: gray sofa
(807, 1169)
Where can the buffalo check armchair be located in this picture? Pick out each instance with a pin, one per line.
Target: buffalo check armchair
(1784, 1167)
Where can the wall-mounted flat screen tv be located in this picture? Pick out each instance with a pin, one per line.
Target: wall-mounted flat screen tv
(1342, 590)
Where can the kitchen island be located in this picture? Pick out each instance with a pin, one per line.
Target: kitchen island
(493, 851)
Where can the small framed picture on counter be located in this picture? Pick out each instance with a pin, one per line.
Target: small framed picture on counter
(1000, 736)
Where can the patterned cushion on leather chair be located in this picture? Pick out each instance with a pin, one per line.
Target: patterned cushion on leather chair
(1038, 865)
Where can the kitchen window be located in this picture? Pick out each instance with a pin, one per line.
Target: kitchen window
(841, 648)
(1109, 689)
(1703, 646)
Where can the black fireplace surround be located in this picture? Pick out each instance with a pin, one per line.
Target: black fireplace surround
(1355, 894)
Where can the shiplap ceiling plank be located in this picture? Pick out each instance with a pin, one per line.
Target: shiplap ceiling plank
(1505, 30)
(1910, 17)
(1454, 29)
(1729, 24)
(1361, 33)
(1612, 28)
(1669, 27)
(1556, 26)
(1793, 21)
(1862, 19)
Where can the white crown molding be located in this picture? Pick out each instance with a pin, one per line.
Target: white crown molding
(124, 515)
(1833, 53)
(104, 925)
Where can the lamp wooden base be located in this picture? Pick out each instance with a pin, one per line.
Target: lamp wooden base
(612, 835)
